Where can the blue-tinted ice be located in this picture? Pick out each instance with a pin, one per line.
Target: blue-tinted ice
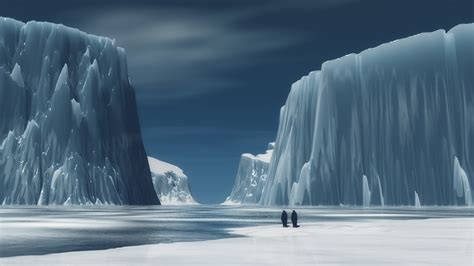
(69, 131)
(393, 125)
(43, 230)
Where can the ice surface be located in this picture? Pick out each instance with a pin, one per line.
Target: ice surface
(251, 178)
(49, 229)
(348, 242)
(69, 131)
(387, 122)
(170, 183)
(17, 77)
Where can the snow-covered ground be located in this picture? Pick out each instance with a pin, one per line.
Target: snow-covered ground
(443, 241)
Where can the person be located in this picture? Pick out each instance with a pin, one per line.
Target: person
(284, 218)
(294, 219)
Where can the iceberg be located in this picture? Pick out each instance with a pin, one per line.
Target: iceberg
(170, 183)
(386, 126)
(69, 130)
(251, 178)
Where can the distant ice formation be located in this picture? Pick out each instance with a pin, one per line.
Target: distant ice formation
(170, 183)
(383, 127)
(251, 178)
(69, 131)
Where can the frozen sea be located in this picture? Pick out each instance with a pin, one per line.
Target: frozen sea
(46, 230)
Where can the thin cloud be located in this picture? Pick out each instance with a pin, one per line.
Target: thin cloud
(171, 47)
(172, 50)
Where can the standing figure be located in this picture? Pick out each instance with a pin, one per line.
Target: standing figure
(284, 218)
(294, 219)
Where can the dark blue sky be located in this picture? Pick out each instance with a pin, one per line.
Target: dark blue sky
(211, 76)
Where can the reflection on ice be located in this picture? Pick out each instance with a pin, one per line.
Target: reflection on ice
(43, 230)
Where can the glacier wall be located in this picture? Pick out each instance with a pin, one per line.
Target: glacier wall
(251, 178)
(393, 125)
(170, 183)
(69, 130)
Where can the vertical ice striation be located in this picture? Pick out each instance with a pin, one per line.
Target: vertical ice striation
(417, 200)
(400, 116)
(461, 183)
(251, 178)
(365, 191)
(69, 131)
(292, 149)
(170, 183)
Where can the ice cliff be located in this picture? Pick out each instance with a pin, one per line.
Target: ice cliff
(393, 125)
(251, 178)
(170, 183)
(69, 130)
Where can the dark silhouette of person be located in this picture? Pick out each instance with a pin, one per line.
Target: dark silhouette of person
(294, 219)
(284, 218)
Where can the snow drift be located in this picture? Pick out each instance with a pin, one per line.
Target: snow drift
(393, 125)
(170, 183)
(69, 131)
